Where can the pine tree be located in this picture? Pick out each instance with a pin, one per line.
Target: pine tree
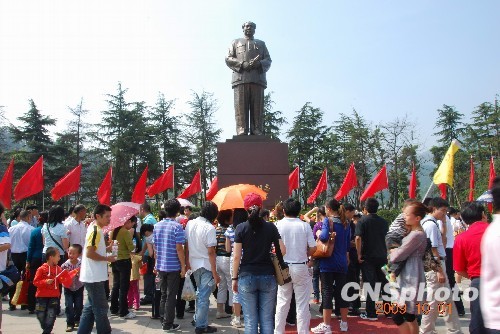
(273, 119)
(306, 145)
(202, 132)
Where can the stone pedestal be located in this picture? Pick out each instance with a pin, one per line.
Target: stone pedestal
(257, 160)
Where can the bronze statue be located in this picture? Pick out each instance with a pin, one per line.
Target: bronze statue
(249, 60)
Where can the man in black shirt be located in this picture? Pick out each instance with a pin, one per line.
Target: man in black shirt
(372, 253)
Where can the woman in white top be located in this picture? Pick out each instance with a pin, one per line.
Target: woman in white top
(55, 234)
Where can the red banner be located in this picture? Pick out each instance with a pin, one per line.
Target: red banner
(31, 182)
(6, 186)
(104, 191)
(68, 184)
(350, 182)
(293, 181)
(322, 185)
(379, 182)
(193, 188)
(139, 194)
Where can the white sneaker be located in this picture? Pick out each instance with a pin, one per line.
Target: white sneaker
(130, 315)
(236, 322)
(322, 328)
(343, 326)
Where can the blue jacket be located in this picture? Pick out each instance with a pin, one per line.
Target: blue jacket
(337, 263)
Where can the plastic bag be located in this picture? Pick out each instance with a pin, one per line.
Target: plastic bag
(188, 292)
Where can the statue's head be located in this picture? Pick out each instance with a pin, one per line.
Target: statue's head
(249, 28)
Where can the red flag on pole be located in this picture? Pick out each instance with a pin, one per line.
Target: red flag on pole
(164, 182)
(322, 185)
(6, 186)
(379, 182)
(350, 181)
(31, 182)
(490, 181)
(68, 184)
(193, 188)
(492, 174)
(214, 188)
(293, 181)
(412, 189)
(104, 191)
(139, 194)
(442, 190)
(472, 180)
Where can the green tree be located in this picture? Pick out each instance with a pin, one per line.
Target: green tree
(273, 119)
(202, 132)
(173, 149)
(306, 146)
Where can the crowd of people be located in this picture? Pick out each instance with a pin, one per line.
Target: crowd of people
(413, 266)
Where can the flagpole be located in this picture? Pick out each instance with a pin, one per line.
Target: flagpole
(428, 191)
(43, 200)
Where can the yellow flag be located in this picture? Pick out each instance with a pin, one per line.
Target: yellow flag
(444, 174)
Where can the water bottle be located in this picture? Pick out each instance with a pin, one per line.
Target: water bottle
(135, 244)
(114, 248)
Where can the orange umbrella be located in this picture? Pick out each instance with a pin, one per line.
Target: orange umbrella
(232, 197)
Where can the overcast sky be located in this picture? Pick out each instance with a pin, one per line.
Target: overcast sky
(383, 58)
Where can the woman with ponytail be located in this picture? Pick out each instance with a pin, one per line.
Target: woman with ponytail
(254, 278)
(333, 269)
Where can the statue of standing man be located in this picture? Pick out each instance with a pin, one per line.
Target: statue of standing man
(249, 60)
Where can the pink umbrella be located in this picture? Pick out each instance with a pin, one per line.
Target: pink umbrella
(120, 213)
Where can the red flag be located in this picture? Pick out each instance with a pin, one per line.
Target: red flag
(350, 181)
(214, 188)
(322, 185)
(293, 181)
(164, 182)
(442, 190)
(472, 180)
(492, 174)
(68, 184)
(31, 182)
(412, 189)
(379, 182)
(104, 191)
(6, 186)
(139, 194)
(490, 181)
(193, 188)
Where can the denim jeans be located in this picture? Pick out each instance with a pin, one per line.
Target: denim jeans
(169, 286)
(258, 298)
(46, 312)
(476, 325)
(96, 309)
(205, 285)
(121, 281)
(74, 304)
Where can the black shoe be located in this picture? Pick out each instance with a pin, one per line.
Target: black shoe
(208, 329)
(171, 327)
(354, 312)
(12, 307)
(145, 301)
(190, 309)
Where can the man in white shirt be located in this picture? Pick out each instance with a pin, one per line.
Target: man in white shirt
(94, 274)
(20, 239)
(490, 267)
(437, 280)
(299, 244)
(200, 247)
(75, 224)
(450, 273)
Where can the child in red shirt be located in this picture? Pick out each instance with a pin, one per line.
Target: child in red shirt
(48, 290)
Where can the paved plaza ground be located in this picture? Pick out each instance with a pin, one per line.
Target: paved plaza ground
(21, 322)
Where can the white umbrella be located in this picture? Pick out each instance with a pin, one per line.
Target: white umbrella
(185, 202)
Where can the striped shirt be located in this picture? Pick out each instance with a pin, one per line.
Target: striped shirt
(166, 235)
(230, 234)
(69, 267)
(220, 234)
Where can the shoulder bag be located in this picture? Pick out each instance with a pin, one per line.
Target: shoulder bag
(325, 249)
(280, 267)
